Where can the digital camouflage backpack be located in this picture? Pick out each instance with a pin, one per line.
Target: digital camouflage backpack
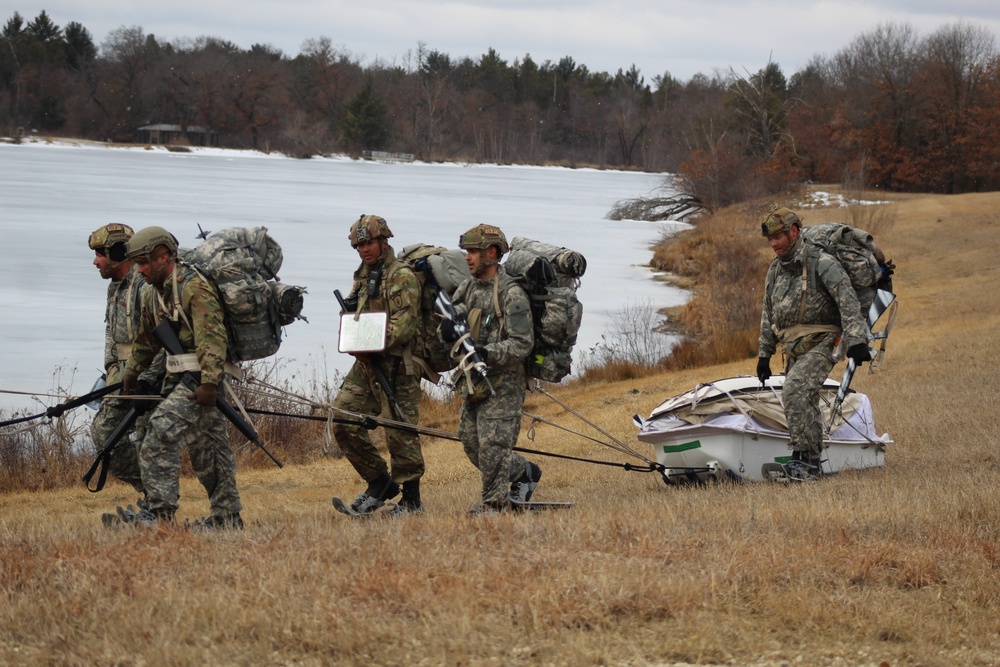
(856, 251)
(551, 276)
(243, 264)
(436, 269)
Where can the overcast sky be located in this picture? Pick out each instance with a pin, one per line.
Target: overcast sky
(683, 37)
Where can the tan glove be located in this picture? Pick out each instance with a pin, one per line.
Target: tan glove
(130, 384)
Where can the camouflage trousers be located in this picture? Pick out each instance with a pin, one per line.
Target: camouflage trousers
(124, 460)
(180, 423)
(361, 393)
(488, 430)
(804, 377)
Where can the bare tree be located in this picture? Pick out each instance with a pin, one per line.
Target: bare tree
(761, 104)
(876, 74)
(956, 60)
(130, 54)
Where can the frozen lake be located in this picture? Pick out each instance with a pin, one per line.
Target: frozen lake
(53, 195)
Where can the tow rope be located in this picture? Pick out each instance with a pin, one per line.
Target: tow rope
(371, 422)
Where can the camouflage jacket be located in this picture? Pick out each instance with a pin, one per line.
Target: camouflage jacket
(121, 325)
(206, 335)
(829, 298)
(398, 295)
(508, 335)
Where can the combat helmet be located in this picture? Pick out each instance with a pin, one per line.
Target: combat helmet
(367, 228)
(482, 237)
(110, 241)
(779, 219)
(145, 241)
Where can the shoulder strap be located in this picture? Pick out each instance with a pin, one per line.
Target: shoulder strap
(177, 313)
(496, 303)
(805, 290)
(133, 278)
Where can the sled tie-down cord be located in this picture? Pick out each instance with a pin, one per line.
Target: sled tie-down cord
(614, 443)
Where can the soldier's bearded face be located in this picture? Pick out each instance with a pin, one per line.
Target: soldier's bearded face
(154, 270)
(103, 265)
(474, 259)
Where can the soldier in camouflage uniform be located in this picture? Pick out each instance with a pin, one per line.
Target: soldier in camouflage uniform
(809, 304)
(185, 418)
(383, 284)
(121, 323)
(498, 314)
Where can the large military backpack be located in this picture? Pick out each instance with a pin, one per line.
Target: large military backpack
(243, 264)
(551, 277)
(436, 269)
(856, 251)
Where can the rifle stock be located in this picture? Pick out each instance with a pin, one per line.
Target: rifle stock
(165, 333)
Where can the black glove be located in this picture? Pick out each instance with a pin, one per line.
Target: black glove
(351, 303)
(885, 279)
(763, 369)
(448, 333)
(860, 353)
(483, 353)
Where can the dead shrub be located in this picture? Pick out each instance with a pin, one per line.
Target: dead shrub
(634, 340)
(724, 174)
(723, 258)
(45, 453)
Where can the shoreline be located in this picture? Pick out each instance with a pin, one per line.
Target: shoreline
(67, 142)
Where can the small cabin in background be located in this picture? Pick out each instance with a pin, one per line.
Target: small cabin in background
(382, 156)
(164, 134)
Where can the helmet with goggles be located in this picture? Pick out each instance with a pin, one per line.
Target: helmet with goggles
(779, 219)
(110, 241)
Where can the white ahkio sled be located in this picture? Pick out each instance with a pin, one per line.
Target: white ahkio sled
(735, 428)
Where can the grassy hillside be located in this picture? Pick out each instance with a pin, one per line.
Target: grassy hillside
(895, 566)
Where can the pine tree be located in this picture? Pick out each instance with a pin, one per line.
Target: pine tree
(366, 120)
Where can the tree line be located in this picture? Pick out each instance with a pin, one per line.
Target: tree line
(892, 110)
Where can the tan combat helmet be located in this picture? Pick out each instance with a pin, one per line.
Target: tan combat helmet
(110, 241)
(779, 219)
(368, 228)
(482, 237)
(145, 241)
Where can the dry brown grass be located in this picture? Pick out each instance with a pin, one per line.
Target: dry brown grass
(895, 566)
(724, 260)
